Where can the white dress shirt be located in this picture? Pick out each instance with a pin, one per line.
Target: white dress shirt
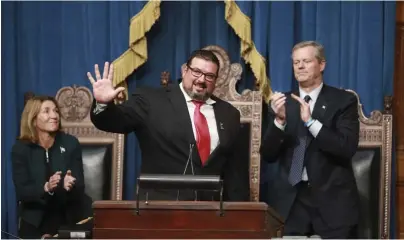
(316, 126)
(206, 109)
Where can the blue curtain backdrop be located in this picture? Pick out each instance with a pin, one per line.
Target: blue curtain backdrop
(358, 38)
(47, 45)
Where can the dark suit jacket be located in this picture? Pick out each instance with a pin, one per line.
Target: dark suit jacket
(328, 156)
(29, 176)
(161, 121)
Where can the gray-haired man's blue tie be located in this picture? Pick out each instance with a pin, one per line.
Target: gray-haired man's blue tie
(296, 168)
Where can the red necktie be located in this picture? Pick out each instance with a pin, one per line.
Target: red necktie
(202, 132)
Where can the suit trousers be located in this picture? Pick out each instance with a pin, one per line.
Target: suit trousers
(305, 219)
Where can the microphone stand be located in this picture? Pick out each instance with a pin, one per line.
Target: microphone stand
(191, 147)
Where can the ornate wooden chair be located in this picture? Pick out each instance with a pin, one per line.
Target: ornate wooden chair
(372, 168)
(102, 151)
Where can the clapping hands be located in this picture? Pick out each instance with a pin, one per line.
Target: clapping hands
(53, 182)
(68, 181)
(278, 106)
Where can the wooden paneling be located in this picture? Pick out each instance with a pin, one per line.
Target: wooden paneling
(400, 170)
(400, 11)
(188, 220)
(400, 211)
(399, 87)
(398, 112)
(399, 84)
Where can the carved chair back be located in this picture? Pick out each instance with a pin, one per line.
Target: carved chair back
(372, 169)
(102, 151)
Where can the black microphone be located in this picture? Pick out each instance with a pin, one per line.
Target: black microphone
(189, 160)
(191, 153)
(191, 148)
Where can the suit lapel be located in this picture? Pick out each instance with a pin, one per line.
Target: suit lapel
(221, 130)
(319, 109)
(321, 105)
(220, 122)
(181, 112)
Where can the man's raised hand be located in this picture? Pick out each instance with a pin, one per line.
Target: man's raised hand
(103, 89)
(305, 114)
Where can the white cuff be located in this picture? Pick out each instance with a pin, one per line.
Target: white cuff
(315, 128)
(280, 126)
(99, 107)
(47, 189)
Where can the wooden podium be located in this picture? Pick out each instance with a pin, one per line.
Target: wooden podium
(185, 219)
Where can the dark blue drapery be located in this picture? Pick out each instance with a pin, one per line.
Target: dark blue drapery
(47, 45)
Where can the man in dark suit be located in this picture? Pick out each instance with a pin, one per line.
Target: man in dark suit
(314, 133)
(182, 129)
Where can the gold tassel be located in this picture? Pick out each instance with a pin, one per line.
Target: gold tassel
(136, 55)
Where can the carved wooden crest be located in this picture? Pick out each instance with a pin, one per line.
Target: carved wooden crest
(74, 103)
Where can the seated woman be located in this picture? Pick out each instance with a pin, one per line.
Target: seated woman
(47, 172)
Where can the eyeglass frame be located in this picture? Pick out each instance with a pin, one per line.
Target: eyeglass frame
(196, 71)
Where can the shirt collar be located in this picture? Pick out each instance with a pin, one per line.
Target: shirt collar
(313, 94)
(209, 101)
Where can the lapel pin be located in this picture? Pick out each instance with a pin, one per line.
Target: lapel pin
(62, 149)
(221, 126)
(323, 107)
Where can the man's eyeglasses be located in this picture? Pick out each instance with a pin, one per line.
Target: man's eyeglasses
(210, 77)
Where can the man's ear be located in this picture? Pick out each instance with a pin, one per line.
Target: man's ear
(184, 69)
(322, 65)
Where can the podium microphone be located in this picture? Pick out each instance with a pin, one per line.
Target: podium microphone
(192, 166)
(190, 152)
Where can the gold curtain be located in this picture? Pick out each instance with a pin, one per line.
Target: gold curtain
(136, 55)
(241, 24)
(142, 22)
